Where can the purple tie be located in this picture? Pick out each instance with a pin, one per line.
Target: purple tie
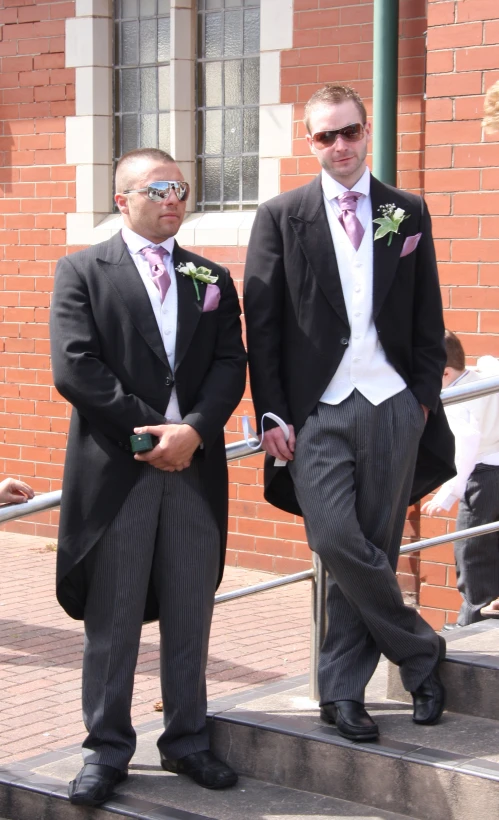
(159, 274)
(348, 217)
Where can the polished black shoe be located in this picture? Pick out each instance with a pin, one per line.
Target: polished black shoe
(94, 784)
(429, 697)
(351, 720)
(204, 768)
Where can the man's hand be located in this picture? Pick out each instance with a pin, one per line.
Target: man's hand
(275, 444)
(426, 411)
(13, 491)
(177, 444)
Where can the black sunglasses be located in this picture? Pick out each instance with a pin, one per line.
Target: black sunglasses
(157, 191)
(351, 133)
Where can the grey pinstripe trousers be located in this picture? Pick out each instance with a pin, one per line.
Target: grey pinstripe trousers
(477, 559)
(166, 528)
(353, 470)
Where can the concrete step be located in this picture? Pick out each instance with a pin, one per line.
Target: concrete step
(293, 766)
(151, 794)
(444, 772)
(470, 672)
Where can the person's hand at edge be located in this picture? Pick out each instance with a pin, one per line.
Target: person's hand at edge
(13, 491)
(432, 508)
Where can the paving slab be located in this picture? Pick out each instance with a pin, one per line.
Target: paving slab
(255, 640)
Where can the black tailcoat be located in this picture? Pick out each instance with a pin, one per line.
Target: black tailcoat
(297, 324)
(109, 362)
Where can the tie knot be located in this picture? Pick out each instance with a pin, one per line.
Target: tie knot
(154, 255)
(348, 201)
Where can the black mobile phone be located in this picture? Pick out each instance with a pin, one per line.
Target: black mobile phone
(143, 442)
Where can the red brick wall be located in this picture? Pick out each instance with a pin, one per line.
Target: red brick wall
(461, 184)
(38, 189)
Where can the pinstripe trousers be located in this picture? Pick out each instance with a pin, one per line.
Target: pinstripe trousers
(477, 559)
(353, 469)
(165, 531)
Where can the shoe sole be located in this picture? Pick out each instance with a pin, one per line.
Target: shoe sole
(374, 735)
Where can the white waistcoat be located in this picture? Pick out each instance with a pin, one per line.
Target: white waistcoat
(364, 365)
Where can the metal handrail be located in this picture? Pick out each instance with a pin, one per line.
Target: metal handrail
(240, 449)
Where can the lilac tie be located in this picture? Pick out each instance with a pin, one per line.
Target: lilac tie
(159, 274)
(348, 217)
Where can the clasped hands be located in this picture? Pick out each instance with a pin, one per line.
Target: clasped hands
(175, 448)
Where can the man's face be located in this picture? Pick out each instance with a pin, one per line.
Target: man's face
(344, 161)
(155, 221)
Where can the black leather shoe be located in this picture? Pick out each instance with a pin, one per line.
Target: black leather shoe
(94, 784)
(351, 720)
(429, 697)
(204, 768)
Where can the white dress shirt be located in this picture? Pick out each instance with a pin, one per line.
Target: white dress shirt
(364, 365)
(166, 313)
(475, 425)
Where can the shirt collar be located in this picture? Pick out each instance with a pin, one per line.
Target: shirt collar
(461, 376)
(332, 188)
(135, 242)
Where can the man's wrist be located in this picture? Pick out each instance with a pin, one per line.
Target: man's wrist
(195, 434)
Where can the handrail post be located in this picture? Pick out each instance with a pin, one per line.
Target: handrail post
(317, 624)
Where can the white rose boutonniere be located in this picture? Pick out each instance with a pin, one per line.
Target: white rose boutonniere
(390, 221)
(200, 274)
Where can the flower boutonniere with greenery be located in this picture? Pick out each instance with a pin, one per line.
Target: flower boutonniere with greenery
(200, 274)
(390, 221)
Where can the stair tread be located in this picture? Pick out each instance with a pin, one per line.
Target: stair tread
(456, 740)
(151, 793)
(475, 645)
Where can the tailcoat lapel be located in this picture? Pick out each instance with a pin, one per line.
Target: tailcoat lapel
(121, 271)
(314, 235)
(385, 257)
(189, 308)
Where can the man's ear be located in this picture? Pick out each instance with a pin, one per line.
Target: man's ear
(447, 376)
(121, 202)
(310, 144)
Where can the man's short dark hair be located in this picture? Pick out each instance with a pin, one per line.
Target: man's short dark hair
(455, 351)
(332, 95)
(128, 160)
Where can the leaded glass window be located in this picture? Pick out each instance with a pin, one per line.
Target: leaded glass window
(228, 83)
(141, 75)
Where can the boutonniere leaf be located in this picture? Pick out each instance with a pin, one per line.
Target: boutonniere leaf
(200, 274)
(390, 221)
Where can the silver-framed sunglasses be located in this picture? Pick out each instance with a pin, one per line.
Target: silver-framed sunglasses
(157, 191)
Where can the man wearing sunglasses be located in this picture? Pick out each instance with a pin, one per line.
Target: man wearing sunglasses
(140, 349)
(345, 345)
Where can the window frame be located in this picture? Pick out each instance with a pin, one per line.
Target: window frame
(89, 144)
